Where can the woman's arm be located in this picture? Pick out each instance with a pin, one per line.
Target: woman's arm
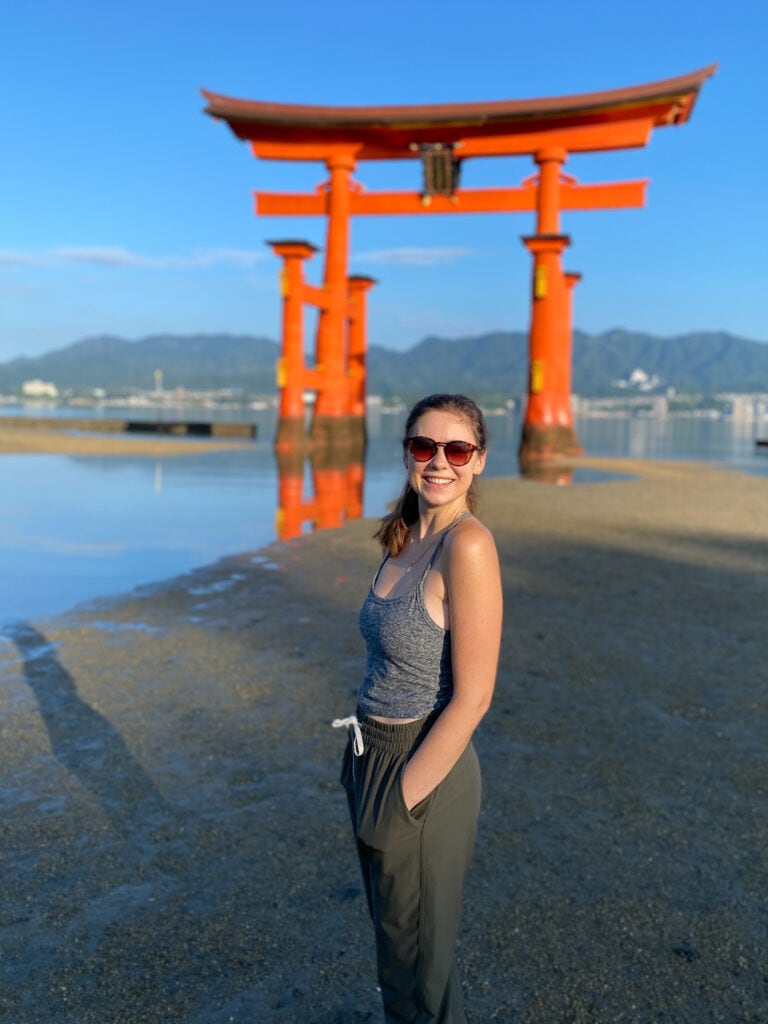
(473, 583)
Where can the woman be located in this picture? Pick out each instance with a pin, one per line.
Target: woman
(432, 625)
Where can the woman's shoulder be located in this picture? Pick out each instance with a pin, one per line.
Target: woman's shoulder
(470, 539)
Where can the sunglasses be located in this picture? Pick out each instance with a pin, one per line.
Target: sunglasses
(423, 449)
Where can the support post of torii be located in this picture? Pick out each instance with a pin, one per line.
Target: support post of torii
(344, 393)
(291, 372)
(332, 403)
(548, 425)
(358, 286)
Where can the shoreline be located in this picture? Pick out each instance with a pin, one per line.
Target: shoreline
(178, 842)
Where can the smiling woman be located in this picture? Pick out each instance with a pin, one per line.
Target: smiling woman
(410, 770)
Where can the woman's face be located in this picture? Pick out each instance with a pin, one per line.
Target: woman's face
(437, 482)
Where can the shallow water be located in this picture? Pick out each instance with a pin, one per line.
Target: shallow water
(76, 528)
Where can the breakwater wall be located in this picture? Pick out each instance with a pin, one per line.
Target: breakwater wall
(181, 428)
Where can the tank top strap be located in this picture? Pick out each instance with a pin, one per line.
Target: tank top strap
(440, 543)
(378, 572)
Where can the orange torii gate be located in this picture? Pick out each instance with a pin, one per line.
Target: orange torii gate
(443, 136)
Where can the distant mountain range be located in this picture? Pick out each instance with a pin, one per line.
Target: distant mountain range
(490, 366)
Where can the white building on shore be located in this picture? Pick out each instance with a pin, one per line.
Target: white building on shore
(39, 389)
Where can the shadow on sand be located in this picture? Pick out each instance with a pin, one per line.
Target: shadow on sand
(82, 740)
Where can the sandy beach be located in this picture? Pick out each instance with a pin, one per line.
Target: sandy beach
(175, 847)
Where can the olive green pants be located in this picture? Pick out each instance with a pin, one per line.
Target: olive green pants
(413, 865)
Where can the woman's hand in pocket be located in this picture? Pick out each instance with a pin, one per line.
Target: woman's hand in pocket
(414, 791)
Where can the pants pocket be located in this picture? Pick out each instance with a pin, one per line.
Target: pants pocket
(420, 810)
(383, 820)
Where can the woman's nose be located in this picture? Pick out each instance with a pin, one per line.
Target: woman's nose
(438, 460)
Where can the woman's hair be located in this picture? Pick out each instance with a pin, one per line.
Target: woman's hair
(394, 526)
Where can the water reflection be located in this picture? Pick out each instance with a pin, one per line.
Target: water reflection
(74, 529)
(336, 475)
(542, 472)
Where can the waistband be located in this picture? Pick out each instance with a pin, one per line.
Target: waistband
(400, 737)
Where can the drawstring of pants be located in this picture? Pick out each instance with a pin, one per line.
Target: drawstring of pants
(351, 723)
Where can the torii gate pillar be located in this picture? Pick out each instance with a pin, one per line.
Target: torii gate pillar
(332, 400)
(358, 286)
(548, 425)
(291, 370)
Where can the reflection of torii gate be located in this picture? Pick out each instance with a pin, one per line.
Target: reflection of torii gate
(442, 136)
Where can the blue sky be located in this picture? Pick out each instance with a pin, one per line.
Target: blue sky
(125, 210)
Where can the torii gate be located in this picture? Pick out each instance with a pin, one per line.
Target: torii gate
(443, 136)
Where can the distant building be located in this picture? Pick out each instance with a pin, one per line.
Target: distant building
(39, 389)
(744, 407)
(660, 407)
(638, 380)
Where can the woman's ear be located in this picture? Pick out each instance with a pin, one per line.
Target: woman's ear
(480, 463)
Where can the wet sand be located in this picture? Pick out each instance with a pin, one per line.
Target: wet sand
(175, 845)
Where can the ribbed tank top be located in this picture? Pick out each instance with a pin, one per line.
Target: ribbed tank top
(408, 672)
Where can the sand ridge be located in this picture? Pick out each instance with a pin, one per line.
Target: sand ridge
(18, 441)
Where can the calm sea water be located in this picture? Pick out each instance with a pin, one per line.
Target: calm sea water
(73, 529)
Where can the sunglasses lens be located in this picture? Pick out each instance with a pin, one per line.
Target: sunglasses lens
(458, 453)
(422, 448)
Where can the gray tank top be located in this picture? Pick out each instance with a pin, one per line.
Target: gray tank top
(409, 671)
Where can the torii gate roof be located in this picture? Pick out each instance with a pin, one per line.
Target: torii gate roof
(382, 132)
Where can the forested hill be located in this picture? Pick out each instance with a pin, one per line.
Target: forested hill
(490, 366)
(497, 364)
(199, 362)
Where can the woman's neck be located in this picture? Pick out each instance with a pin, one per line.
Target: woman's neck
(433, 520)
